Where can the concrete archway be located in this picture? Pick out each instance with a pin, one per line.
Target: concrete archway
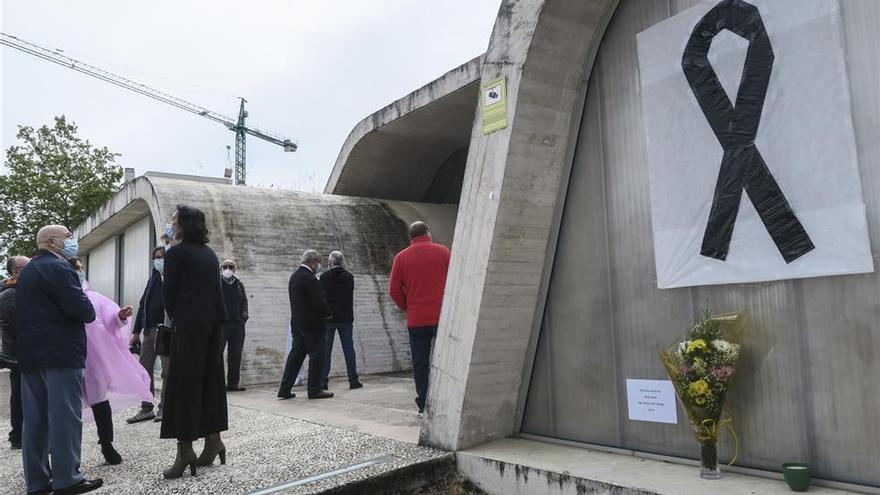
(515, 179)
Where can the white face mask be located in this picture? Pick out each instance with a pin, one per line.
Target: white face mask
(227, 273)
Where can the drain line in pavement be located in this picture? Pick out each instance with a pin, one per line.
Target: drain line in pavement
(329, 474)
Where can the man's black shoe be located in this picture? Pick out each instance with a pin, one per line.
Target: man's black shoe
(142, 415)
(81, 487)
(44, 491)
(321, 395)
(235, 388)
(286, 396)
(355, 384)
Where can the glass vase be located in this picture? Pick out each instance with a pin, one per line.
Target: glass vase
(709, 461)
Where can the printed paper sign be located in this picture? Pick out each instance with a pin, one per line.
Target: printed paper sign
(651, 400)
(751, 150)
(494, 105)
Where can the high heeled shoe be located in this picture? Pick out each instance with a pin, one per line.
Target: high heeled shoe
(213, 447)
(185, 457)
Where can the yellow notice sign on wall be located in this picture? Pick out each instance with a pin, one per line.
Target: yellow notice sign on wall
(494, 102)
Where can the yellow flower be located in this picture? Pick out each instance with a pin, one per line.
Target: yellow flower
(696, 345)
(698, 391)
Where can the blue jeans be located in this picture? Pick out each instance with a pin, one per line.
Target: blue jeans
(345, 338)
(52, 407)
(420, 340)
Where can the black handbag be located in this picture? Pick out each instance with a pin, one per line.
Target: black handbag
(163, 340)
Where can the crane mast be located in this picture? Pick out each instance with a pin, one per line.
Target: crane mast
(235, 125)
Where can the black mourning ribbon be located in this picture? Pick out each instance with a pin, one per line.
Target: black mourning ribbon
(736, 128)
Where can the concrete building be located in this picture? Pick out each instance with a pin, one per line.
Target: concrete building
(551, 301)
(423, 138)
(265, 231)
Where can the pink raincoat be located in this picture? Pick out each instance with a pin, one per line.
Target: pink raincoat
(112, 371)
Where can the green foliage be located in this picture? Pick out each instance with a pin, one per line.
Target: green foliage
(52, 177)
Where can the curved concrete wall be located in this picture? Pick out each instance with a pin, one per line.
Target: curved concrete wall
(398, 152)
(265, 231)
(812, 344)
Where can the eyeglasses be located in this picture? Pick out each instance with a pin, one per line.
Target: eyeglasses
(230, 267)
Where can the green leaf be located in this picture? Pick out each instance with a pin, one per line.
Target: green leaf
(53, 177)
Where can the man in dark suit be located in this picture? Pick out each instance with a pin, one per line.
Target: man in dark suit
(309, 311)
(52, 310)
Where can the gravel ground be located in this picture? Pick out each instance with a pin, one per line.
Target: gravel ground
(265, 450)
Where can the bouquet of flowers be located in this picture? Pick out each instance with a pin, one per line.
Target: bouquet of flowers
(700, 367)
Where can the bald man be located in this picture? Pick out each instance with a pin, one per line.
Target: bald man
(52, 313)
(14, 266)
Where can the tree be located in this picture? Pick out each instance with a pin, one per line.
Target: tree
(53, 177)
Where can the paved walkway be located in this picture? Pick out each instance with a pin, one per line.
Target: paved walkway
(267, 445)
(385, 406)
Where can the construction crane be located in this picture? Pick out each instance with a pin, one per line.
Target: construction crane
(235, 125)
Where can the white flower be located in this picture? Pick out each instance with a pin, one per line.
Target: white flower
(682, 346)
(729, 351)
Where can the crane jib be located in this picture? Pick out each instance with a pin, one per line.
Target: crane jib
(235, 125)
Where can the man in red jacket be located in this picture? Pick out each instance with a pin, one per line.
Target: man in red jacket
(418, 277)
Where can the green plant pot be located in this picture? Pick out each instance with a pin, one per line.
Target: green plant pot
(797, 475)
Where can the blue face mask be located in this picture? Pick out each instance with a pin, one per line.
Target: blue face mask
(82, 277)
(71, 247)
(169, 230)
(159, 264)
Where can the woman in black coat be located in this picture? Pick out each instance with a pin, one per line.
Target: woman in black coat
(195, 400)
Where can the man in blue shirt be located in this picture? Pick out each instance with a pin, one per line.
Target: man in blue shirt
(52, 310)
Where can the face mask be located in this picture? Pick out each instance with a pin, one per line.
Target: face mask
(227, 273)
(82, 277)
(169, 230)
(71, 247)
(159, 264)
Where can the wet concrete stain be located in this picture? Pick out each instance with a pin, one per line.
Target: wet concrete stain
(380, 301)
(562, 480)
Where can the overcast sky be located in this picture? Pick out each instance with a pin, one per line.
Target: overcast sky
(310, 70)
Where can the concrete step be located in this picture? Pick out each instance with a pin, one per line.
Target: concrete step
(403, 480)
(517, 466)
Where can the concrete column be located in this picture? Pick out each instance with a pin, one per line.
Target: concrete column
(512, 194)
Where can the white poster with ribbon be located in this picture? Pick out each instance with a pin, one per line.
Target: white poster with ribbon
(754, 174)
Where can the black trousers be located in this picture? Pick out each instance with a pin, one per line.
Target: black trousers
(234, 331)
(15, 414)
(312, 345)
(104, 421)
